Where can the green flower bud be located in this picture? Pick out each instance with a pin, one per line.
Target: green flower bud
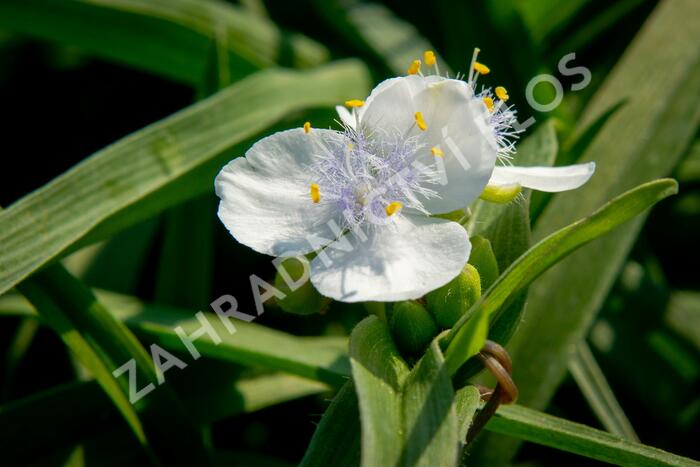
(483, 259)
(452, 300)
(301, 297)
(412, 327)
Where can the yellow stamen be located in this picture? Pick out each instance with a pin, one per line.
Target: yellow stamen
(501, 93)
(414, 68)
(393, 207)
(437, 152)
(489, 103)
(420, 122)
(350, 146)
(481, 68)
(315, 193)
(307, 127)
(429, 57)
(354, 103)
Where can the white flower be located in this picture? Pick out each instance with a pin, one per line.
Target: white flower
(362, 198)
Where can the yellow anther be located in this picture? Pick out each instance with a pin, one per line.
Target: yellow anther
(501, 93)
(429, 57)
(315, 193)
(393, 207)
(420, 122)
(437, 152)
(307, 127)
(350, 146)
(354, 103)
(414, 68)
(481, 68)
(489, 103)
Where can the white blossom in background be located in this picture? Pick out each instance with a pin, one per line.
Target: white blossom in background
(363, 198)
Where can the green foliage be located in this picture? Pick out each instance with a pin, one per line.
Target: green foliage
(181, 35)
(159, 166)
(448, 303)
(542, 428)
(304, 299)
(412, 327)
(408, 416)
(545, 254)
(660, 108)
(483, 259)
(102, 264)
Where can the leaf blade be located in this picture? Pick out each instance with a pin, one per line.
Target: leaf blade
(537, 427)
(547, 252)
(171, 38)
(104, 192)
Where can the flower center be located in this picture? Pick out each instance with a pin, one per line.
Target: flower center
(371, 176)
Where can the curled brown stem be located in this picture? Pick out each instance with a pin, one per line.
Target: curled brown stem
(495, 359)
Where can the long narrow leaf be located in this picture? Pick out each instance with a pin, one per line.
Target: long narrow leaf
(103, 344)
(595, 388)
(408, 418)
(170, 37)
(111, 189)
(547, 252)
(374, 29)
(320, 359)
(540, 428)
(80, 412)
(641, 141)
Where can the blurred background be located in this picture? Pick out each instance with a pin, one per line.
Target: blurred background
(63, 97)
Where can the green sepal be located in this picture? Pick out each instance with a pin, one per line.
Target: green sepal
(305, 300)
(484, 260)
(448, 303)
(412, 327)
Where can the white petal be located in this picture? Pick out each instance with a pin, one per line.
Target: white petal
(551, 179)
(456, 124)
(403, 260)
(265, 197)
(345, 116)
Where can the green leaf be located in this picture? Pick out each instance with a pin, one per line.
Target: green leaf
(227, 394)
(186, 254)
(373, 28)
(63, 420)
(408, 418)
(103, 344)
(543, 18)
(643, 140)
(66, 422)
(379, 373)
(336, 440)
(159, 166)
(683, 315)
(540, 428)
(320, 359)
(15, 353)
(430, 424)
(689, 170)
(172, 38)
(549, 251)
(577, 144)
(117, 264)
(508, 228)
(467, 401)
(595, 388)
